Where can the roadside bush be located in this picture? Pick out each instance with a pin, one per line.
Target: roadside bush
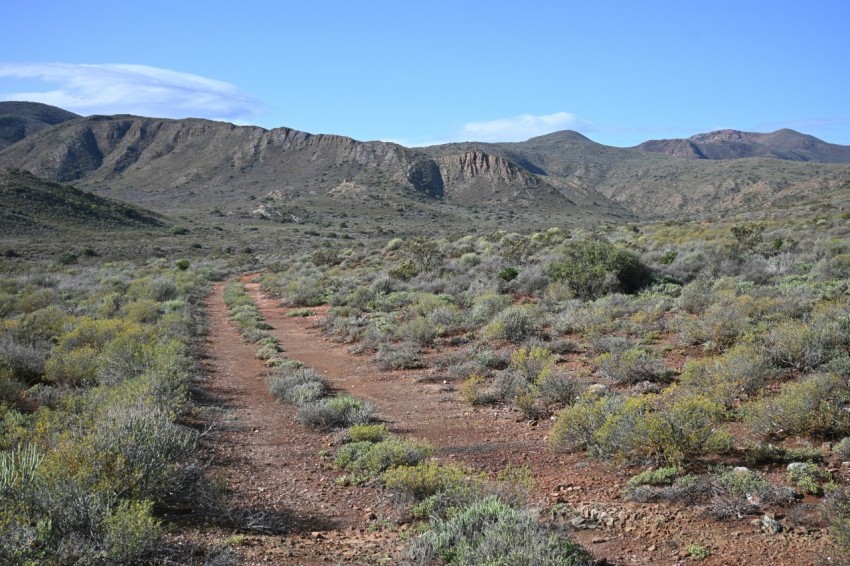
(366, 460)
(427, 478)
(336, 412)
(21, 361)
(557, 389)
(143, 448)
(814, 406)
(418, 330)
(737, 492)
(763, 453)
(475, 391)
(404, 355)
(577, 425)
(696, 296)
(533, 362)
(299, 386)
(131, 534)
(489, 531)
(368, 433)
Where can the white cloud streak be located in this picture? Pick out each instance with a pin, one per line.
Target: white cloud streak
(521, 128)
(132, 89)
(518, 128)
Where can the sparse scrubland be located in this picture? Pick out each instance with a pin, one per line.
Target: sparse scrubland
(707, 354)
(709, 359)
(98, 435)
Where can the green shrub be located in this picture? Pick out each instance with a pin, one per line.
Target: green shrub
(836, 509)
(800, 346)
(810, 478)
(130, 533)
(660, 476)
(842, 449)
(489, 531)
(335, 412)
(764, 453)
(577, 425)
(426, 478)
(368, 433)
(404, 355)
(557, 389)
(813, 406)
(685, 429)
(299, 386)
(508, 274)
(144, 448)
(514, 324)
(632, 366)
(474, 391)
(533, 362)
(182, 264)
(593, 268)
(366, 460)
(697, 551)
(487, 306)
(403, 270)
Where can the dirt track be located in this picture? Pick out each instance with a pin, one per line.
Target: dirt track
(274, 464)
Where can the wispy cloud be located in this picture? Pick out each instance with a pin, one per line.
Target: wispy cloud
(131, 89)
(520, 128)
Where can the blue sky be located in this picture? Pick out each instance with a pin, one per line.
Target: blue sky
(420, 73)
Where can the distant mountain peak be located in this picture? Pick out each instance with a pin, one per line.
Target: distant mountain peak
(785, 144)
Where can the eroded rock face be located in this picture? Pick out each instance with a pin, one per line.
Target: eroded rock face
(477, 164)
(426, 177)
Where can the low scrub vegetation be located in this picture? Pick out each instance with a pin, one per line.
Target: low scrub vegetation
(680, 345)
(94, 383)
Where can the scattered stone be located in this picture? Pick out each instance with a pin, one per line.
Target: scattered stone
(770, 526)
(796, 466)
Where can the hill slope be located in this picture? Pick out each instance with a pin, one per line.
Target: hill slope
(282, 174)
(183, 163)
(21, 119)
(733, 144)
(29, 204)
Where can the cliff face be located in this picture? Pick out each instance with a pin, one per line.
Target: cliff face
(476, 164)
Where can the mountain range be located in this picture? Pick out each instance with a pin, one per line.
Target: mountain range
(193, 166)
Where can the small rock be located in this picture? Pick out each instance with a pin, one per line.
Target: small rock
(770, 526)
(795, 466)
(741, 470)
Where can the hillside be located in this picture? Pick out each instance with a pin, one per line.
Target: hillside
(193, 165)
(29, 204)
(732, 144)
(21, 119)
(203, 167)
